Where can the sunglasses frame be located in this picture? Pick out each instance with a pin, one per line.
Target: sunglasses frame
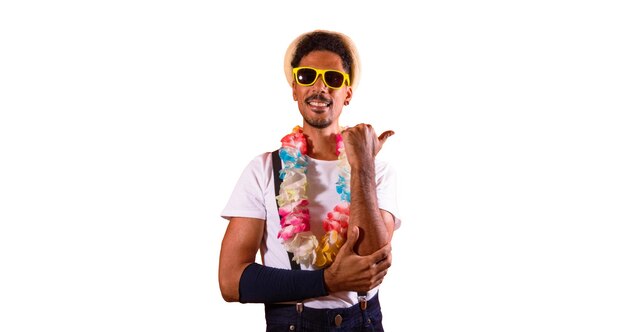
(318, 72)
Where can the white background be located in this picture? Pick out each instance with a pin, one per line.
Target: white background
(125, 124)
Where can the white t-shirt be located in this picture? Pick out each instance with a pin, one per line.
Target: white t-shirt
(254, 197)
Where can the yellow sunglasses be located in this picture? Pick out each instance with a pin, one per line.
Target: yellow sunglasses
(306, 76)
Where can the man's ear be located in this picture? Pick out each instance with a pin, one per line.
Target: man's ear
(293, 90)
(348, 94)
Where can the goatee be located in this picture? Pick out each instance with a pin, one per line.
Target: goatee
(319, 124)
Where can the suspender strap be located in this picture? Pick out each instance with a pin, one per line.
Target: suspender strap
(277, 165)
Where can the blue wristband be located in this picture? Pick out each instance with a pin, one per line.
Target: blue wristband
(263, 284)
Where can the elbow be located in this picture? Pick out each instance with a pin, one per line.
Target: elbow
(229, 297)
(229, 290)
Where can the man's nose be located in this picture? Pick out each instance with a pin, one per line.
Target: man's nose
(319, 83)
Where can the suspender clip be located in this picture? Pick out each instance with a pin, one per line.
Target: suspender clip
(363, 302)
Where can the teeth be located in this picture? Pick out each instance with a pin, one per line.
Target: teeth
(313, 103)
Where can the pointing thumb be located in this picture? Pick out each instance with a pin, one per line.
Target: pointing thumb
(383, 137)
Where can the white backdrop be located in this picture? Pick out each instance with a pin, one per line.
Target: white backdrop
(125, 124)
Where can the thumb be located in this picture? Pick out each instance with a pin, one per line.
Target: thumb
(383, 137)
(353, 236)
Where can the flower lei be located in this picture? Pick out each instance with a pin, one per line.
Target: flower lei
(294, 213)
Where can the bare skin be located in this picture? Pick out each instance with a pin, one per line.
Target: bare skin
(364, 259)
(376, 225)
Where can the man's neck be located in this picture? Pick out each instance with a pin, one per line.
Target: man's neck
(321, 143)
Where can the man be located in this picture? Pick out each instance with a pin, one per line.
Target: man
(322, 209)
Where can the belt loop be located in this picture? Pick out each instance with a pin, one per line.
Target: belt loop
(299, 307)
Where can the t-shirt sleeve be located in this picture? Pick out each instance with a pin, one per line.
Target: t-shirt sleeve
(386, 190)
(247, 198)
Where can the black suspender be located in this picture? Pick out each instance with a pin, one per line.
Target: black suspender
(277, 164)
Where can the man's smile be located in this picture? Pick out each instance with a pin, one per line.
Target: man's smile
(318, 103)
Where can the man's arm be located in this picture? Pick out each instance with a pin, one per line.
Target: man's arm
(257, 283)
(376, 225)
(240, 245)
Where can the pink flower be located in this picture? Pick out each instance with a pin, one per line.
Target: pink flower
(340, 145)
(295, 140)
(337, 220)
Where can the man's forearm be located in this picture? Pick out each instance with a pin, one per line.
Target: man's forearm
(364, 210)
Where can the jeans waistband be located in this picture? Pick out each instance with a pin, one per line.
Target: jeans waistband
(351, 316)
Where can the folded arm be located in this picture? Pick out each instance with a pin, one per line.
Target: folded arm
(241, 279)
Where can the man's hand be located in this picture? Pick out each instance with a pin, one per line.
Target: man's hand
(351, 272)
(362, 144)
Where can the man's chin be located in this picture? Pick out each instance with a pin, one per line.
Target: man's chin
(319, 124)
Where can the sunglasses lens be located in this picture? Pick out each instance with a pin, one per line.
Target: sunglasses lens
(306, 75)
(334, 79)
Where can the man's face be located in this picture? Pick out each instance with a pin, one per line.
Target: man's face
(320, 105)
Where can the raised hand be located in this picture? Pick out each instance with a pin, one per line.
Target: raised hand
(362, 144)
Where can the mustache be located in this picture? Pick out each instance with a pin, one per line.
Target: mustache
(319, 97)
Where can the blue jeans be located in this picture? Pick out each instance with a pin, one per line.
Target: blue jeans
(287, 317)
